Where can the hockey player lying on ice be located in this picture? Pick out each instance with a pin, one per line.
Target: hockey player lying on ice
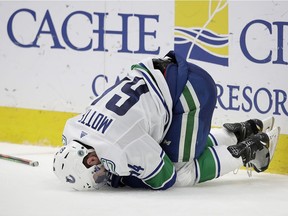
(152, 130)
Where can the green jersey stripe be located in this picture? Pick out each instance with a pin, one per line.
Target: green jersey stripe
(189, 127)
(188, 137)
(165, 174)
(183, 127)
(210, 142)
(188, 97)
(139, 67)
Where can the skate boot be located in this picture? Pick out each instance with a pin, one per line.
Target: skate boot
(245, 129)
(257, 150)
(247, 148)
(161, 64)
(261, 162)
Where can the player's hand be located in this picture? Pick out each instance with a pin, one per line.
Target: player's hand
(114, 180)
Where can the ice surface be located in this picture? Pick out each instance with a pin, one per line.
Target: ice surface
(29, 191)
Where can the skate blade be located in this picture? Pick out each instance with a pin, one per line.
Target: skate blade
(273, 140)
(268, 124)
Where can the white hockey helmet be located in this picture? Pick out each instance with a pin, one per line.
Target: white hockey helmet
(68, 166)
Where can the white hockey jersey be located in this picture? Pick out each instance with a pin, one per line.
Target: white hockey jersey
(126, 124)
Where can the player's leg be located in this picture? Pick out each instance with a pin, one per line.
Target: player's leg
(192, 113)
(242, 130)
(257, 150)
(214, 162)
(194, 98)
(233, 133)
(218, 160)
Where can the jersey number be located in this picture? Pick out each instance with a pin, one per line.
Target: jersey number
(133, 97)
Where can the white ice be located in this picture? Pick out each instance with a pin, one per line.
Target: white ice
(29, 191)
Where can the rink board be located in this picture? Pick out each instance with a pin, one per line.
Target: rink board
(56, 57)
(26, 126)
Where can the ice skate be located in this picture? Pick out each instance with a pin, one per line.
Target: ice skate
(268, 124)
(247, 148)
(245, 129)
(261, 162)
(257, 150)
(161, 63)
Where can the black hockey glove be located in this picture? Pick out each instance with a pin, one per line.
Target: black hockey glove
(114, 181)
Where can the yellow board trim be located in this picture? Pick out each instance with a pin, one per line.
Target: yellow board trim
(199, 13)
(38, 127)
(26, 126)
(279, 163)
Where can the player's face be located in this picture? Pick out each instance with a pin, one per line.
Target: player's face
(93, 159)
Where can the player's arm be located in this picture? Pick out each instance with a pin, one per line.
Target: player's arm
(149, 165)
(161, 178)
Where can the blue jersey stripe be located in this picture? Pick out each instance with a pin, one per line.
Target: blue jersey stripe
(213, 138)
(156, 90)
(158, 167)
(218, 162)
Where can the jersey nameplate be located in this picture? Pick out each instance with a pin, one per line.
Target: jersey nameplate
(96, 120)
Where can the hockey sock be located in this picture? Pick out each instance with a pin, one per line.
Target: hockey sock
(215, 162)
(220, 136)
